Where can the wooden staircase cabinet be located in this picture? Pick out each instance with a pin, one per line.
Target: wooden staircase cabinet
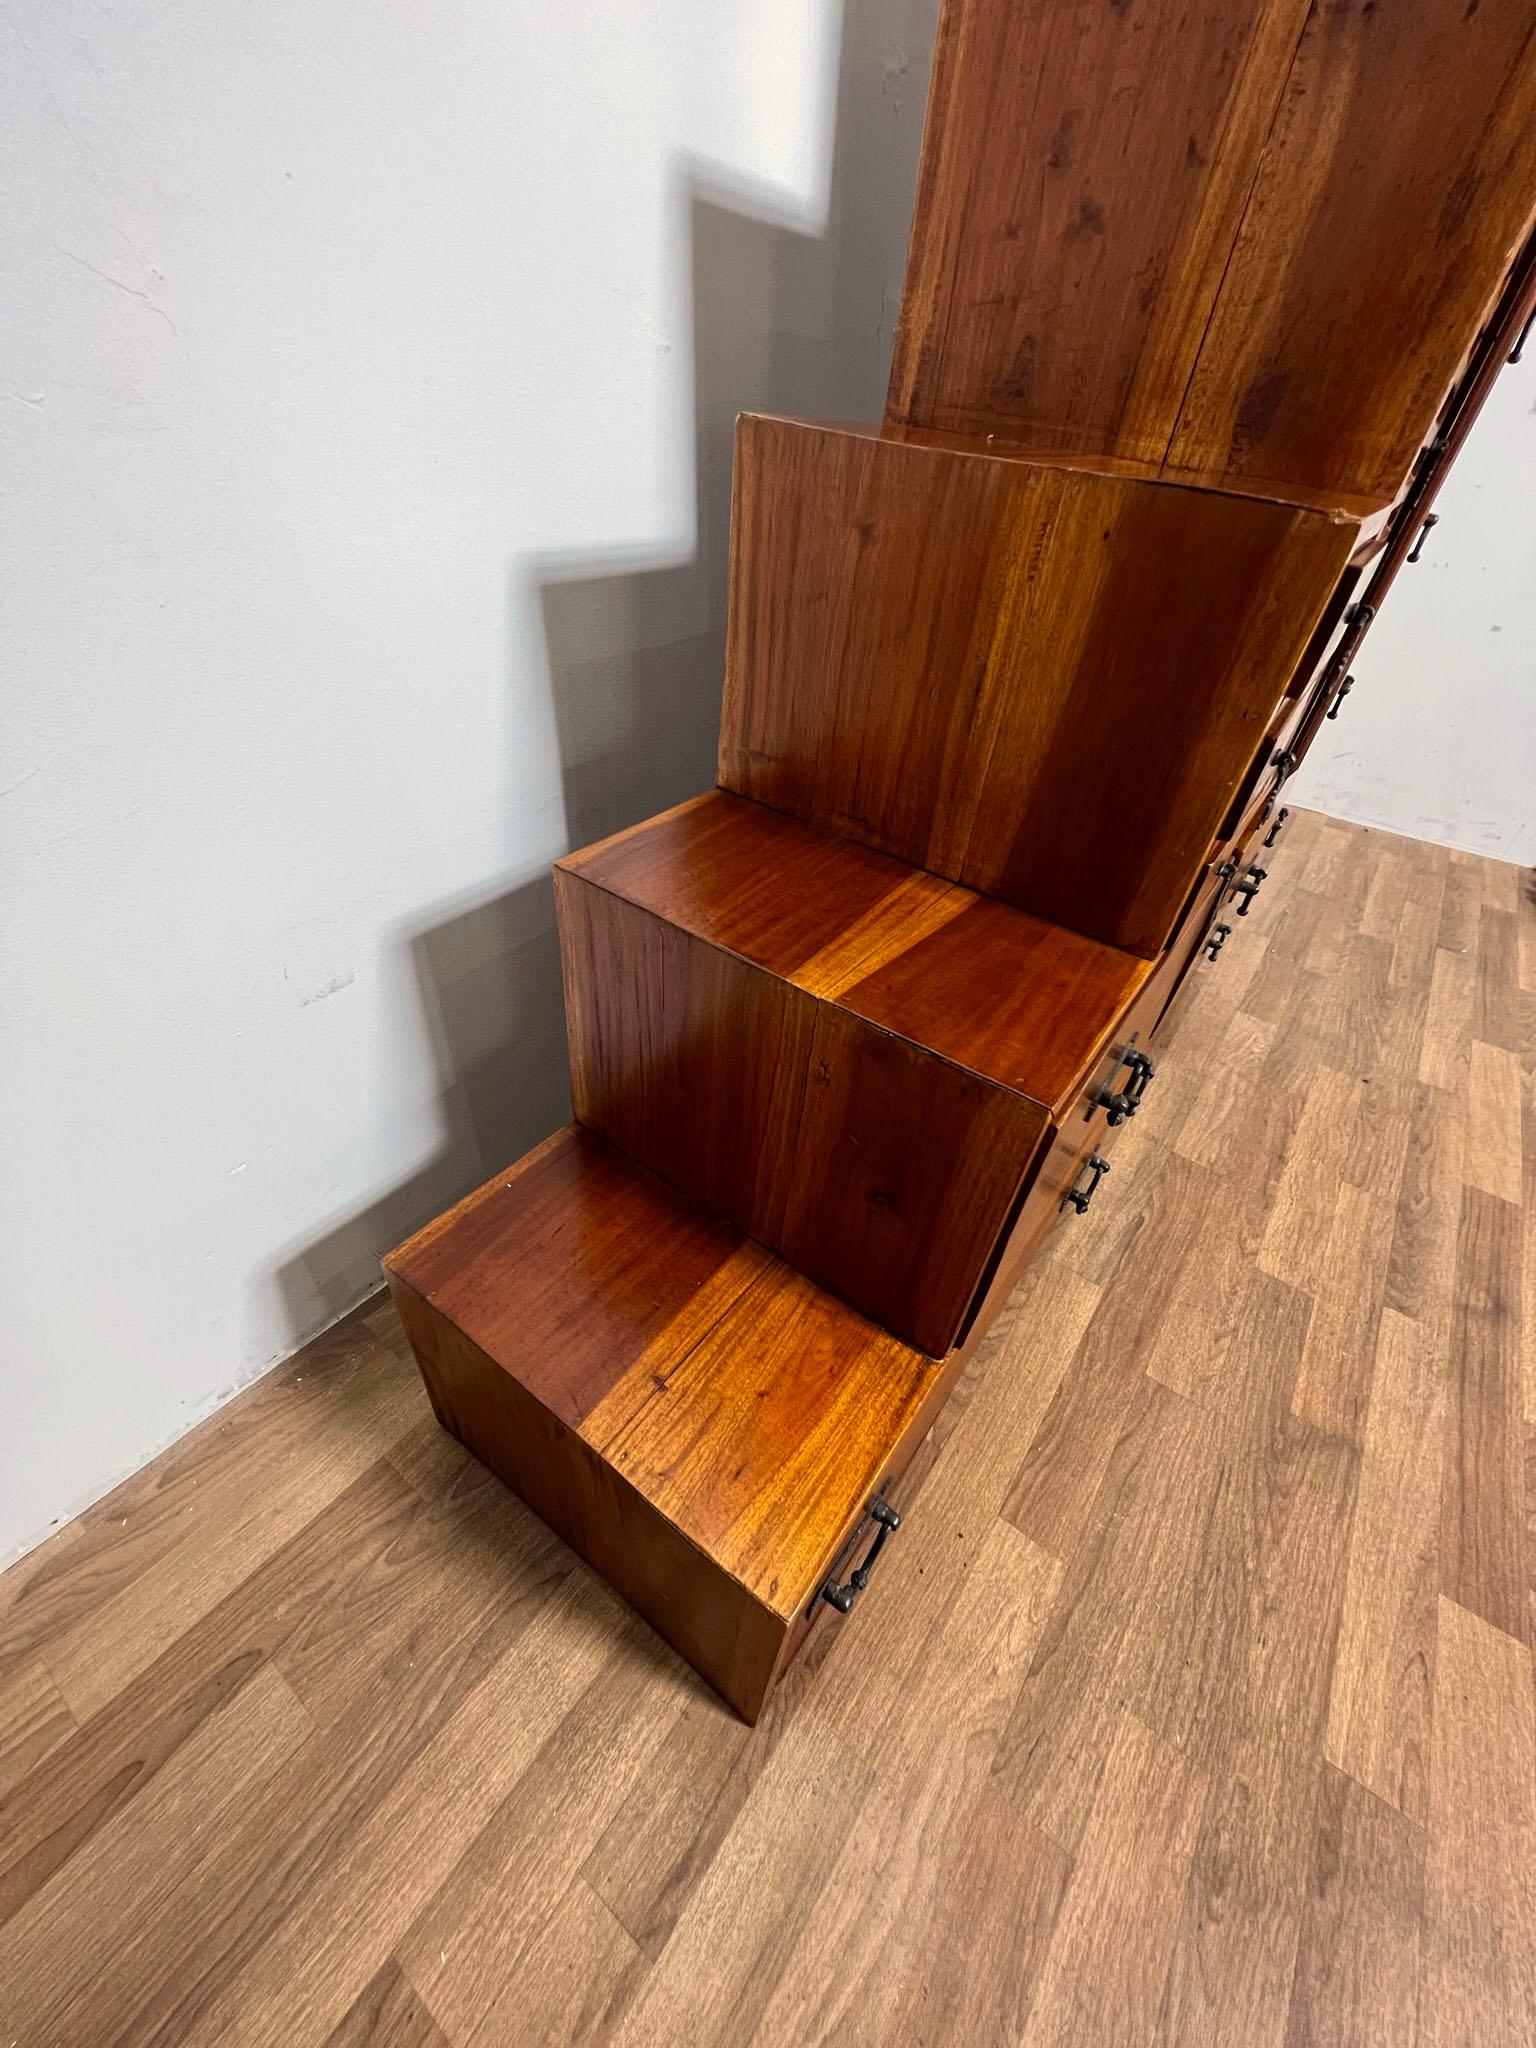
(1203, 298)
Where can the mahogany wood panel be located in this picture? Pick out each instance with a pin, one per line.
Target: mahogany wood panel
(1082, 1128)
(984, 985)
(1396, 189)
(1084, 172)
(803, 903)
(875, 1165)
(709, 1452)
(1055, 704)
(882, 1146)
(683, 1054)
(616, 1272)
(1327, 661)
(904, 1178)
(1029, 1004)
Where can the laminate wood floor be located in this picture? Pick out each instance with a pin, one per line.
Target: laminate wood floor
(1194, 1703)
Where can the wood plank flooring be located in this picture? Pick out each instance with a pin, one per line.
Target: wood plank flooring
(1193, 1705)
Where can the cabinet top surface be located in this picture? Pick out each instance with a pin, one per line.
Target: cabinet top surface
(1026, 1004)
(749, 1407)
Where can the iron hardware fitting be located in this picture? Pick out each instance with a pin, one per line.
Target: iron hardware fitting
(1127, 1101)
(1333, 709)
(1217, 940)
(1079, 1198)
(887, 1522)
(1430, 519)
(1285, 763)
(1525, 334)
(1247, 886)
(1274, 831)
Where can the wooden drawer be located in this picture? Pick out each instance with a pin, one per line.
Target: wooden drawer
(1066, 1178)
(1211, 899)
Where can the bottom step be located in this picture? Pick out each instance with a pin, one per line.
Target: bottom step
(706, 1427)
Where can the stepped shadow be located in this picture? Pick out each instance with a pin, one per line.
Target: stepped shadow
(783, 322)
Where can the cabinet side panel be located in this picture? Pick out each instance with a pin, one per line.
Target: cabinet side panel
(864, 584)
(1046, 683)
(906, 1172)
(1141, 674)
(723, 1632)
(1084, 170)
(683, 1056)
(1393, 195)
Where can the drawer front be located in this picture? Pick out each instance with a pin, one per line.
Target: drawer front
(852, 1576)
(856, 1569)
(1067, 1178)
(1205, 927)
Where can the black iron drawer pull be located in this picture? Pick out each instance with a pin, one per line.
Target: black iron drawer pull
(1274, 831)
(1142, 1071)
(887, 1522)
(1430, 519)
(1333, 709)
(1358, 617)
(1247, 886)
(1217, 940)
(1525, 334)
(1079, 1198)
(1126, 1101)
(1285, 763)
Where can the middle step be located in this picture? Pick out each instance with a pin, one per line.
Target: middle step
(866, 1067)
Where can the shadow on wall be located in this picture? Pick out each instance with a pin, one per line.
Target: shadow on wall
(782, 322)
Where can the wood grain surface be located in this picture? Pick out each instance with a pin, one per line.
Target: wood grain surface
(1382, 222)
(1181, 1711)
(1056, 706)
(1061, 277)
(850, 1059)
(636, 1318)
(1269, 261)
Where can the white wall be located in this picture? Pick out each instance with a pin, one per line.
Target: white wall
(368, 381)
(1438, 737)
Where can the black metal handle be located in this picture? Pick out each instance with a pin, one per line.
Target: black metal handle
(1142, 1071)
(887, 1522)
(1247, 886)
(1359, 616)
(1274, 831)
(1285, 763)
(1430, 519)
(1079, 1198)
(1125, 1102)
(1344, 689)
(1525, 334)
(1217, 940)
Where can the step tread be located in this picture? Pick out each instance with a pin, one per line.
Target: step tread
(1026, 1004)
(751, 1409)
